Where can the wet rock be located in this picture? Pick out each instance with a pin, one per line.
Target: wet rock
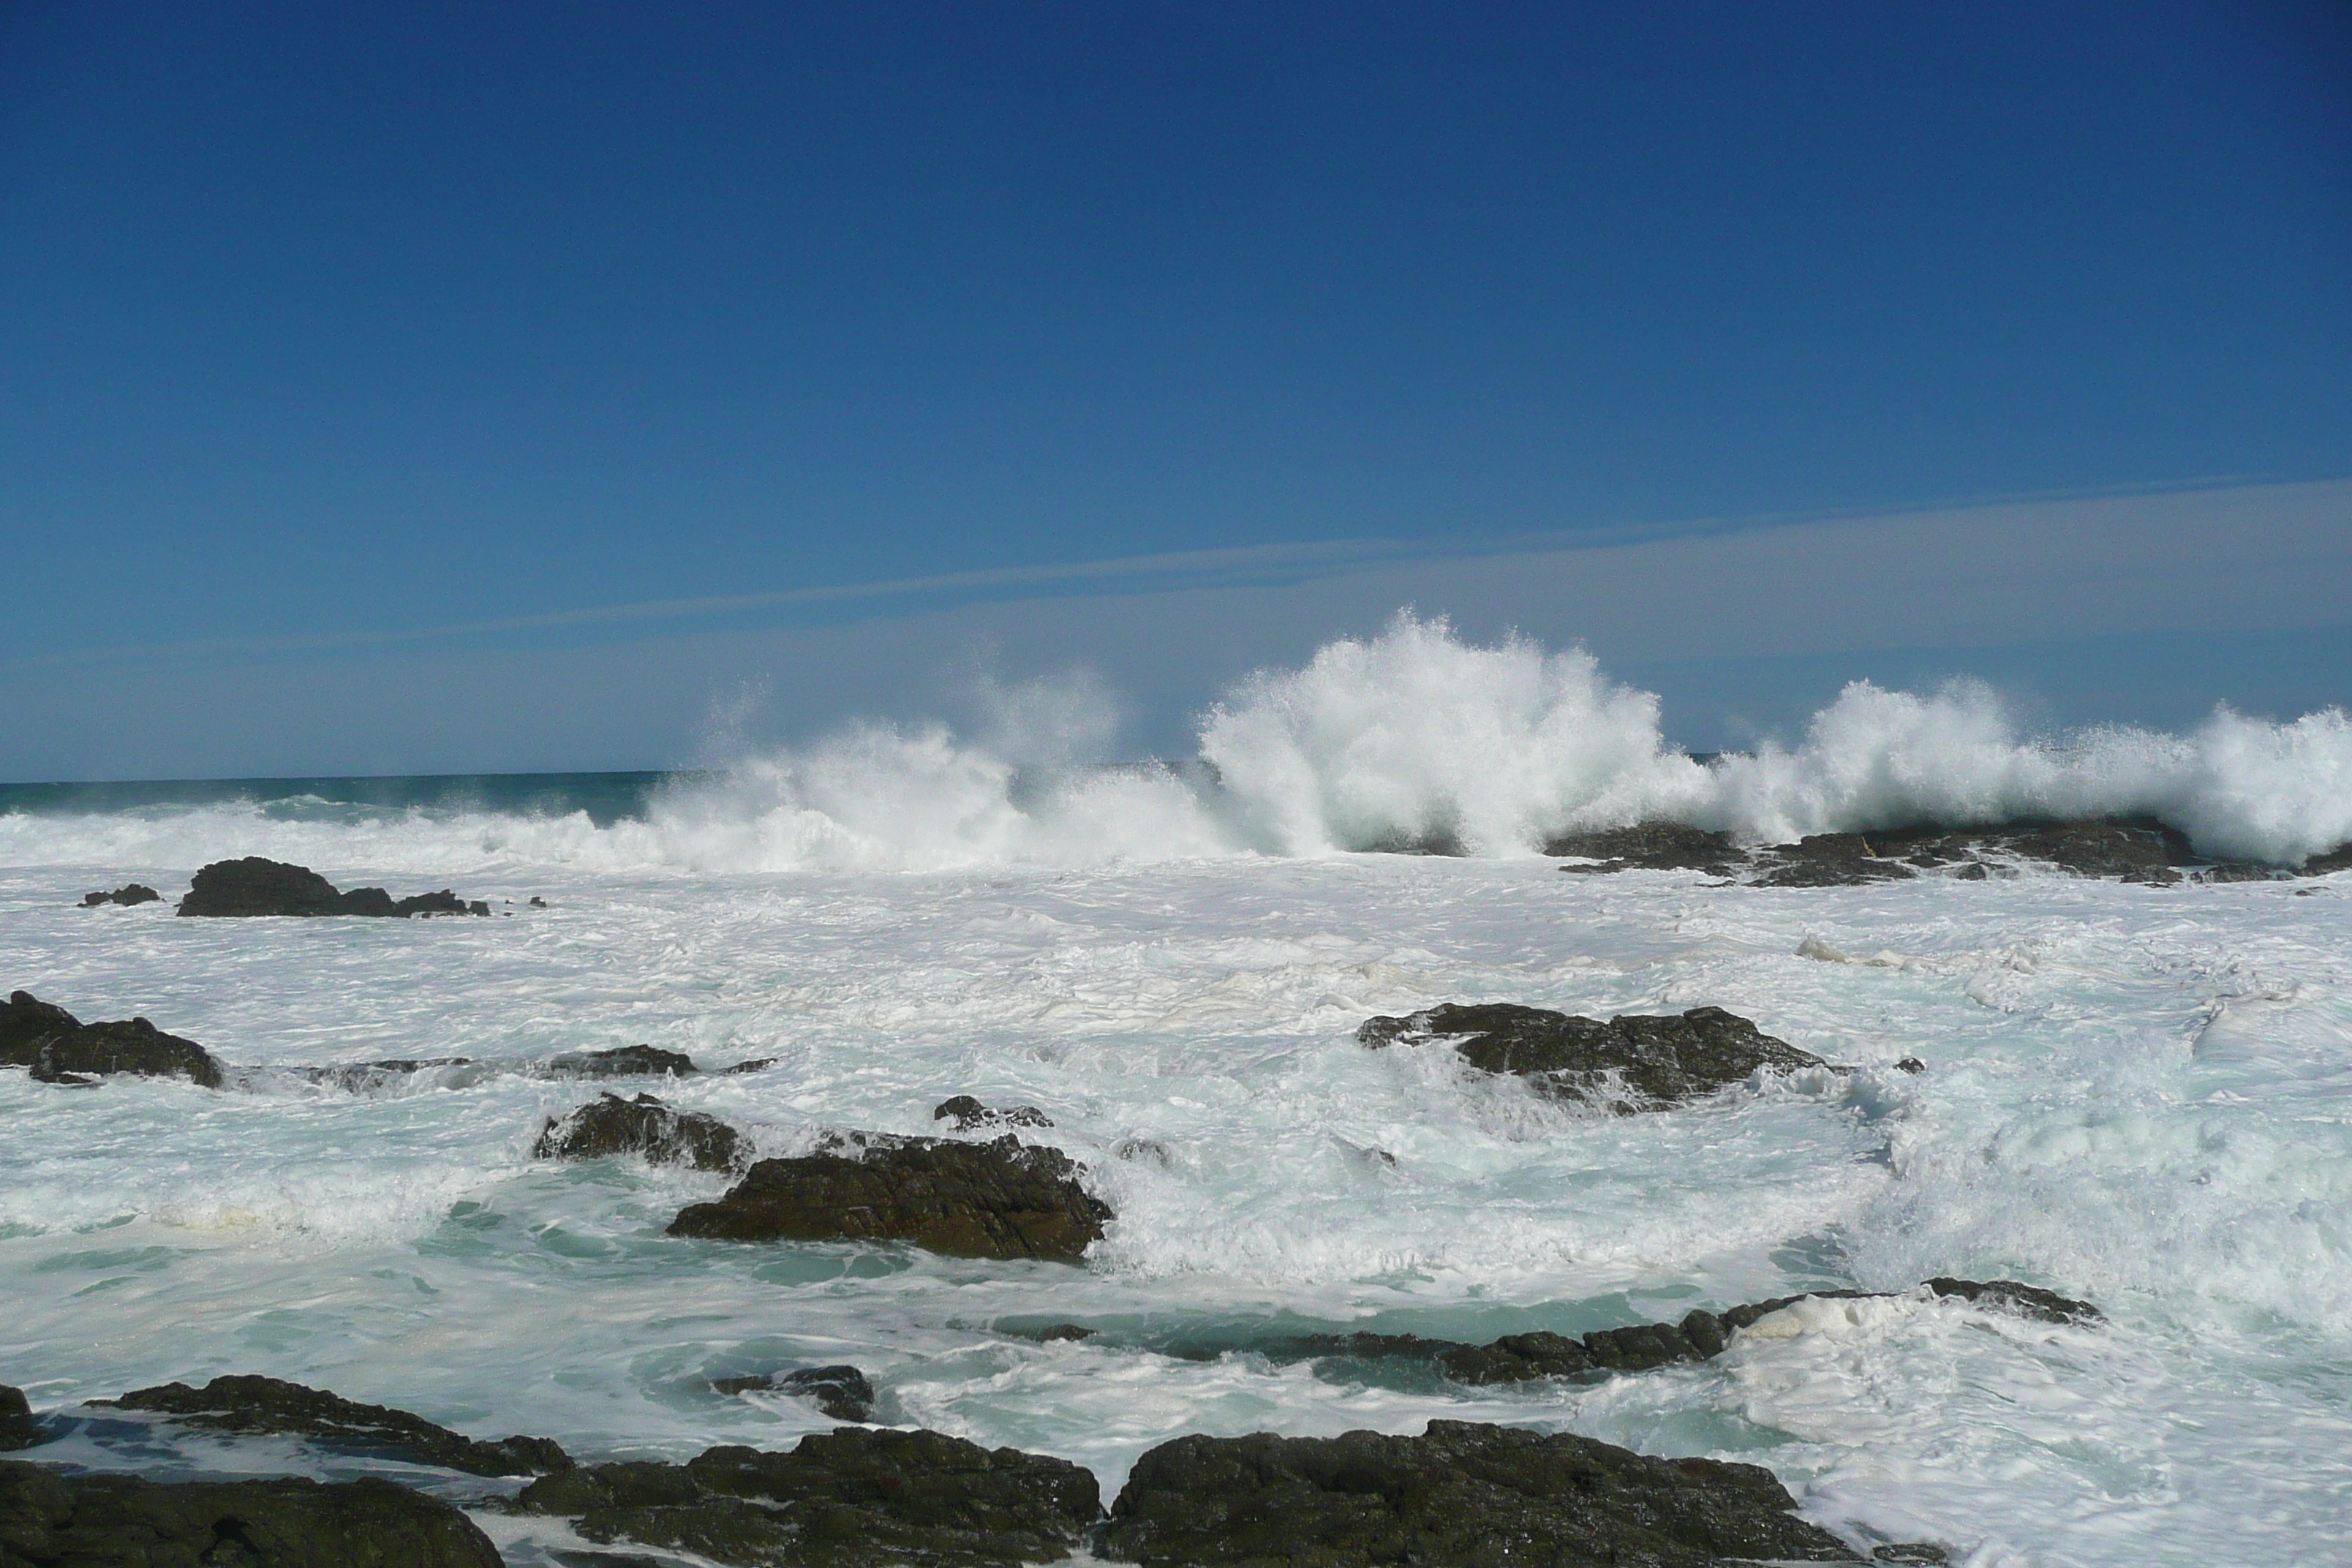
(1063, 1333)
(1461, 1494)
(100, 1520)
(2336, 859)
(537, 903)
(128, 893)
(1651, 847)
(1911, 1065)
(360, 1076)
(610, 1125)
(1833, 860)
(257, 1405)
(2026, 1300)
(852, 1498)
(998, 1199)
(964, 1113)
(255, 886)
(26, 1024)
(18, 1427)
(757, 1064)
(622, 1061)
(132, 1046)
(1654, 1059)
(840, 1392)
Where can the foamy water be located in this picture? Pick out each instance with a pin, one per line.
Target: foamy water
(2139, 1096)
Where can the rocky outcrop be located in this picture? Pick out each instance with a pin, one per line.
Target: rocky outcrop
(997, 1200)
(359, 1077)
(2127, 848)
(851, 1497)
(622, 1061)
(840, 1392)
(963, 1113)
(610, 1125)
(247, 1405)
(95, 1521)
(1461, 1493)
(18, 1427)
(128, 893)
(1639, 1061)
(255, 886)
(60, 1048)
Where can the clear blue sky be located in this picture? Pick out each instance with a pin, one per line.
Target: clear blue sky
(325, 320)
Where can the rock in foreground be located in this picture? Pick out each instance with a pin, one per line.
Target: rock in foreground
(1461, 1494)
(60, 1048)
(998, 1199)
(256, 887)
(101, 1520)
(846, 1498)
(1652, 1060)
(610, 1125)
(18, 1427)
(259, 1405)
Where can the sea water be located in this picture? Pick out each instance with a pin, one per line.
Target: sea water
(2139, 1096)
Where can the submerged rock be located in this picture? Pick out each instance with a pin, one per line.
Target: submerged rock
(1461, 1493)
(257, 1405)
(359, 1076)
(128, 893)
(92, 1521)
(964, 1113)
(622, 1061)
(999, 1199)
(610, 1125)
(840, 1392)
(1654, 1059)
(851, 1497)
(18, 1427)
(256, 887)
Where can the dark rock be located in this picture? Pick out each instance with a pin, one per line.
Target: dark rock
(1151, 1149)
(18, 1427)
(1064, 1333)
(2027, 1300)
(537, 903)
(2240, 871)
(104, 1520)
(968, 1113)
(2336, 859)
(128, 893)
(840, 1392)
(26, 1024)
(255, 1404)
(852, 1498)
(1658, 1060)
(357, 1076)
(256, 887)
(757, 1064)
(1651, 847)
(1911, 1065)
(1516, 1358)
(610, 1125)
(998, 1199)
(622, 1061)
(1834, 860)
(132, 1046)
(1461, 1494)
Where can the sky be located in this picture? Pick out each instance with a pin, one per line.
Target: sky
(418, 389)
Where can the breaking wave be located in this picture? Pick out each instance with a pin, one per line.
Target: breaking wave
(1412, 739)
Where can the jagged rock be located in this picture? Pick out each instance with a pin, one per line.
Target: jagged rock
(840, 1392)
(622, 1061)
(253, 1404)
(2336, 859)
(610, 1125)
(26, 1024)
(998, 1199)
(757, 1064)
(56, 1521)
(128, 893)
(18, 1427)
(2026, 1300)
(256, 887)
(1657, 1059)
(1830, 860)
(852, 1498)
(1651, 847)
(1461, 1494)
(967, 1114)
(48, 1040)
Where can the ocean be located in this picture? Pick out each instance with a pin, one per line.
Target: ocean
(2138, 1095)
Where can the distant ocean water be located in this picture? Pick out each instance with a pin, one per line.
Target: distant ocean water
(2137, 1096)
